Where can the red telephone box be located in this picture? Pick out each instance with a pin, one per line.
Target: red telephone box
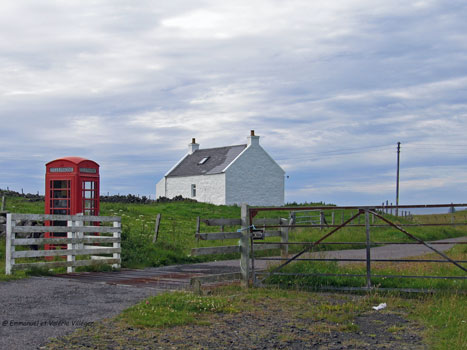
(71, 187)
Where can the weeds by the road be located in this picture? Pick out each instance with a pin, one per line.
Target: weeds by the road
(173, 309)
(279, 318)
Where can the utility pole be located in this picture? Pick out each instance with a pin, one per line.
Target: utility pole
(397, 181)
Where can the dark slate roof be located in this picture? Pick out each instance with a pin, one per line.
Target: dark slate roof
(219, 159)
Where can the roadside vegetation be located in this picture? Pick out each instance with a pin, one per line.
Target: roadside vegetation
(174, 309)
(280, 318)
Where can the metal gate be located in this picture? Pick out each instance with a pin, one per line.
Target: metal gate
(375, 216)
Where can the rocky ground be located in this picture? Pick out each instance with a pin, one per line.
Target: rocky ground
(322, 321)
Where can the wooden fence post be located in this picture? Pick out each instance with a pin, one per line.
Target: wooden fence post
(118, 234)
(3, 204)
(80, 234)
(156, 229)
(10, 248)
(292, 219)
(70, 246)
(332, 217)
(245, 246)
(198, 227)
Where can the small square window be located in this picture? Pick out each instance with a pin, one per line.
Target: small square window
(193, 190)
(204, 160)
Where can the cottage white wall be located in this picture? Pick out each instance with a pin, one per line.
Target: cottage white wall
(209, 188)
(255, 178)
(160, 188)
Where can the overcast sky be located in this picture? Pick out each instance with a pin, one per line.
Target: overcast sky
(330, 87)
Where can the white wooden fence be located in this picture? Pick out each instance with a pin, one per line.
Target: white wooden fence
(76, 240)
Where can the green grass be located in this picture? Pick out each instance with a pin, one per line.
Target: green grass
(445, 319)
(21, 205)
(16, 274)
(174, 309)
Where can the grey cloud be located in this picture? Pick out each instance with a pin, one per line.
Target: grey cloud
(309, 78)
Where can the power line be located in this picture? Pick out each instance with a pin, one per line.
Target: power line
(436, 144)
(338, 152)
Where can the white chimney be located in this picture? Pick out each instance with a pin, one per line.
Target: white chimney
(193, 146)
(252, 139)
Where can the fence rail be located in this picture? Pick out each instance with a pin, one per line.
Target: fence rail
(260, 224)
(75, 241)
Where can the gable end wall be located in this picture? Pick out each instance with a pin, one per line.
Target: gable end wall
(255, 178)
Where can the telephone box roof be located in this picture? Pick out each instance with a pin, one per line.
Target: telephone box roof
(75, 160)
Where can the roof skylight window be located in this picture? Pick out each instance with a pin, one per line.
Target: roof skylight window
(204, 160)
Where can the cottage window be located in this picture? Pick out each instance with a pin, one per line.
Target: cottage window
(193, 190)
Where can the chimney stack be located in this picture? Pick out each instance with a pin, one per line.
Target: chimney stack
(193, 146)
(252, 139)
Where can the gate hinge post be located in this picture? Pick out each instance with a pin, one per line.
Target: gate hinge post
(245, 243)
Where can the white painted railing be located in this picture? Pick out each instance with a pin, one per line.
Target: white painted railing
(76, 229)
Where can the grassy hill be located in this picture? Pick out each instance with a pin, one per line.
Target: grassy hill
(178, 226)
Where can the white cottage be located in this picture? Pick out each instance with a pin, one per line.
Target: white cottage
(226, 175)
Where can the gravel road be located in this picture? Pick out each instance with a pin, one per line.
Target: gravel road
(35, 309)
(389, 251)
